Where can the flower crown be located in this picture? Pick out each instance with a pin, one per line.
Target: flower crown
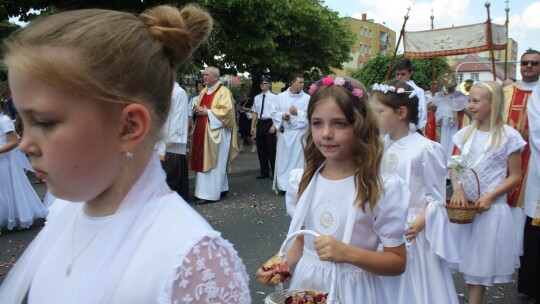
(384, 88)
(339, 81)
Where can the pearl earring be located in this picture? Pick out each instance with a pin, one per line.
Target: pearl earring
(129, 154)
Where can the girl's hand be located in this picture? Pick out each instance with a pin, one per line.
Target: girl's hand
(414, 228)
(329, 249)
(274, 271)
(265, 276)
(458, 198)
(293, 111)
(484, 203)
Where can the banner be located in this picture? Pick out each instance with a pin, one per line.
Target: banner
(453, 41)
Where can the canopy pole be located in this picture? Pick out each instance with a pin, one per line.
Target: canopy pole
(401, 33)
(432, 59)
(490, 42)
(507, 9)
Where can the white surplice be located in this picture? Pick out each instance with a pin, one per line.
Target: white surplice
(209, 185)
(290, 151)
(532, 193)
(446, 116)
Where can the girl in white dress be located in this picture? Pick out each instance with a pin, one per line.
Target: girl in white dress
(19, 202)
(421, 163)
(493, 150)
(342, 195)
(93, 88)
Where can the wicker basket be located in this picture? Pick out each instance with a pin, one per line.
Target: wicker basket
(463, 214)
(279, 296)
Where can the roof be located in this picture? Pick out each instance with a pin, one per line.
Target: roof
(480, 65)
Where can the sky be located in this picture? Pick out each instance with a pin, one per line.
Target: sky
(524, 25)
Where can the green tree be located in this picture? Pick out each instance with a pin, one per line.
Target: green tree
(6, 28)
(374, 71)
(254, 36)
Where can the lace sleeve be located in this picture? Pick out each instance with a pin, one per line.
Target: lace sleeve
(211, 272)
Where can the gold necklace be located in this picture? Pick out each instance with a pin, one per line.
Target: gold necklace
(73, 259)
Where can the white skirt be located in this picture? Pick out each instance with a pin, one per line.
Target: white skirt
(19, 203)
(490, 253)
(354, 284)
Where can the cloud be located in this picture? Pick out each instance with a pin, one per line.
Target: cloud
(392, 12)
(529, 19)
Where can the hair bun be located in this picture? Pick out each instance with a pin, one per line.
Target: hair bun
(180, 31)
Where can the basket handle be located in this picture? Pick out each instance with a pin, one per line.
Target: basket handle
(332, 298)
(477, 183)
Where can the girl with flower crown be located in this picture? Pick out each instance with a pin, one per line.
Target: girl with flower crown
(493, 150)
(420, 162)
(342, 195)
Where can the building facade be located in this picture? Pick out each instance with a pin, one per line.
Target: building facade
(371, 39)
(478, 66)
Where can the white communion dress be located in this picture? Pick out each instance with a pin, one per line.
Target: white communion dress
(19, 203)
(427, 278)
(326, 206)
(154, 249)
(489, 254)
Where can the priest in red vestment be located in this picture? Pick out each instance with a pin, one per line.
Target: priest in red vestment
(516, 97)
(214, 138)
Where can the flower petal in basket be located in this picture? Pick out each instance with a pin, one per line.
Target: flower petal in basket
(279, 297)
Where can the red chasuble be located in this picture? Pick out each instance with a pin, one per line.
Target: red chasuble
(517, 119)
(199, 132)
(431, 127)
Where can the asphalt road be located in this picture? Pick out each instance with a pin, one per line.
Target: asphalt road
(253, 218)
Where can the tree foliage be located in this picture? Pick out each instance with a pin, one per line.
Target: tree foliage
(6, 28)
(374, 71)
(254, 36)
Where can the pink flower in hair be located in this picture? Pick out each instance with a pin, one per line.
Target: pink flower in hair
(339, 81)
(328, 81)
(312, 88)
(358, 93)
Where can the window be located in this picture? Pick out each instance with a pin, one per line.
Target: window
(459, 77)
(475, 77)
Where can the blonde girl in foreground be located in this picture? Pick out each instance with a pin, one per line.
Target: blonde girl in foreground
(93, 88)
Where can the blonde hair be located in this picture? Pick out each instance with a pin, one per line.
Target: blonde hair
(368, 147)
(109, 55)
(494, 93)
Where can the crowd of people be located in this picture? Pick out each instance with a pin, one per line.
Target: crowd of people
(354, 164)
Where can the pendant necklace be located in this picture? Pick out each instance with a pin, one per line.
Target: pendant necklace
(73, 259)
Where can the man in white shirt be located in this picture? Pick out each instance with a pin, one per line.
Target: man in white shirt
(266, 131)
(290, 118)
(404, 72)
(174, 144)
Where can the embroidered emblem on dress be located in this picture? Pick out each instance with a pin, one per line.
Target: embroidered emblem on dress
(326, 219)
(390, 163)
